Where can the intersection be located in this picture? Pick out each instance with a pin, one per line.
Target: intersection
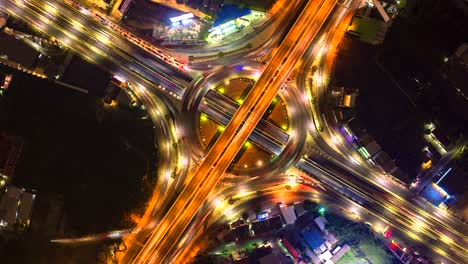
(329, 164)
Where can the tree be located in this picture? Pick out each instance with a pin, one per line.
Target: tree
(309, 205)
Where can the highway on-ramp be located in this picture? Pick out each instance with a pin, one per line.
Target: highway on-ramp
(236, 132)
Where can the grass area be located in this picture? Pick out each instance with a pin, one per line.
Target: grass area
(97, 167)
(368, 28)
(350, 258)
(365, 248)
(373, 252)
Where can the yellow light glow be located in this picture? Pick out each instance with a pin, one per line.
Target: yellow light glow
(77, 24)
(418, 225)
(96, 50)
(446, 239)
(413, 236)
(440, 251)
(426, 165)
(203, 118)
(217, 202)
(50, 8)
(102, 38)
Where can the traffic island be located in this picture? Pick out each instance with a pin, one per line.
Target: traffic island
(252, 155)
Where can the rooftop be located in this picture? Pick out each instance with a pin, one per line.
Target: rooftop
(313, 238)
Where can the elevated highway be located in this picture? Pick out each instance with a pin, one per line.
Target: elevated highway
(236, 132)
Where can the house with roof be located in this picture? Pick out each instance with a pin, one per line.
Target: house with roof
(321, 222)
(269, 259)
(291, 250)
(326, 256)
(338, 252)
(314, 239)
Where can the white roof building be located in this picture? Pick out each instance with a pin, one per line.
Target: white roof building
(326, 256)
(288, 214)
(321, 222)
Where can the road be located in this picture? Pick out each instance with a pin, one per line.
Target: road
(359, 185)
(104, 46)
(236, 132)
(93, 42)
(343, 156)
(99, 44)
(110, 47)
(366, 193)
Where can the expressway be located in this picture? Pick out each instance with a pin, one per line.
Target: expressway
(438, 225)
(355, 184)
(113, 51)
(97, 43)
(93, 43)
(236, 132)
(366, 193)
(90, 51)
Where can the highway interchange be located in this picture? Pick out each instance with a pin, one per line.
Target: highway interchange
(172, 98)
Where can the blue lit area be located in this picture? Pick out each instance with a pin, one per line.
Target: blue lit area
(262, 216)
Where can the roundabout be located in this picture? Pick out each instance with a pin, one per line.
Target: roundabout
(210, 104)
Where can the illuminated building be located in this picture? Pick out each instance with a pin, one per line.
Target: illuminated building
(16, 205)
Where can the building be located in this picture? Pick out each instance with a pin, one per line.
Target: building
(299, 210)
(269, 259)
(456, 70)
(265, 255)
(348, 99)
(267, 225)
(313, 238)
(355, 128)
(312, 256)
(2, 22)
(10, 151)
(338, 252)
(119, 92)
(5, 80)
(371, 147)
(326, 256)
(239, 254)
(9, 207)
(385, 162)
(291, 250)
(345, 114)
(16, 205)
(435, 194)
(321, 222)
(288, 214)
(441, 137)
(18, 51)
